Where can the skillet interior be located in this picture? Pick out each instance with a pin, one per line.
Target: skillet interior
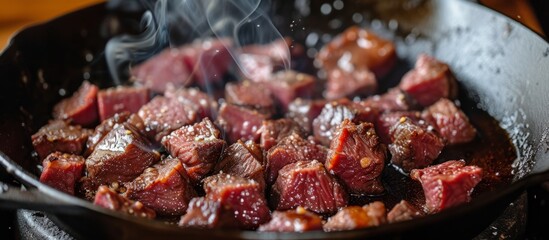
(499, 63)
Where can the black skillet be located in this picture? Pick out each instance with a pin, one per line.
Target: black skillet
(501, 65)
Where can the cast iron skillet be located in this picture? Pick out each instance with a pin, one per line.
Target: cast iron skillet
(500, 64)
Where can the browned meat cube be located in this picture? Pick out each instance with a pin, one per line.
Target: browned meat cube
(292, 149)
(357, 82)
(272, 131)
(358, 48)
(244, 196)
(413, 145)
(450, 122)
(250, 95)
(209, 214)
(164, 188)
(298, 220)
(357, 158)
(62, 170)
(393, 100)
(106, 126)
(403, 211)
(120, 156)
(240, 123)
(429, 81)
(109, 199)
(197, 146)
(206, 106)
(286, 86)
(243, 160)
(304, 111)
(163, 115)
(57, 135)
(119, 99)
(355, 217)
(81, 107)
(387, 120)
(447, 184)
(309, 185)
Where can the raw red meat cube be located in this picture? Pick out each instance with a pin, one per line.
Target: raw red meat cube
(57, 135)
(341, 83)
(355, 217)
(109, 199)
(81, 107)
(240, 123)
(62, 170)
(393, 100)
(272, 131)
(258, 62)
(243, 160)
(209, 60)
(206, 106)
(403, 211)
(298, 220)
(304, 111)
(163, 115)
(450, 122)
(250, 95)
(209, 214)
(447, 184)
(286, 86)
(119, 99)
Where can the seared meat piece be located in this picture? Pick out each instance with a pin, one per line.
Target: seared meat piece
(357, 158)
(57, 135)
(393, 100)
(413, 145)
(403, 211)
(335, 112)
(298, 220)
(109, 199)
(447, 184)
(429, 81)
(62, 170)
(356, 49)
(387, 120)
(164, 187)
(240, 123)
(286, 86)
(450, 122)
(307, 184)
(304, 111)
(272, 131)
(250, 95)
(243, 160)
(355, 217)
(207, 213)
(81, 107)
(119, 99)
(244, 196)
(197, 146)
(206, 106)
(341, 83)
(163, 115)
(292, 149)
(106, 126)
(120, 156)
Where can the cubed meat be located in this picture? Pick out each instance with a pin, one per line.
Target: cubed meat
(277, 50)
(356, 83)
(243, 160)
(413, 145)
(81, 107)
(403, 211)
(309, 185)
(258, 62)
(450, 122)
(106, 126)
(250, 95)
(356, 217)
(206, 106)
(387, 120)
(57, 135)
(163, 115)
(272, 131)
(206, 213)
(358, 48)
(164, 188)
(292, 149)
(109, 199)
(119, 99)
(298, 220)
(244, 196)
(286, 86)
(240, 123)
(447, 184)
(393, 100)
(209, 60)
(357, 158)
(197, 146)
(304, 111)
(429, 81)
(120, 156)
(62, 170)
